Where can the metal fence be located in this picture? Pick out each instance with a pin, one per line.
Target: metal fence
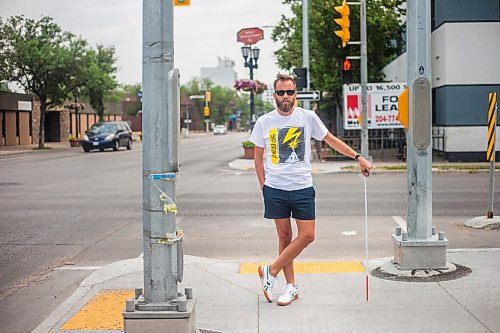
(383, 144)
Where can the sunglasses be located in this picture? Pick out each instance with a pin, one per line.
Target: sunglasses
(282, 92)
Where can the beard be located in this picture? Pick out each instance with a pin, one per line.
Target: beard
(285, 106)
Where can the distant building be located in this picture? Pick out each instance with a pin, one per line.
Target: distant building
(465, 68)
(223, 75)
(267, 96)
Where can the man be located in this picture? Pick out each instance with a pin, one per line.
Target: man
(284, 135)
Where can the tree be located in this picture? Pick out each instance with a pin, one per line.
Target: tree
(42, 59)
(384, 41)
(225, 101)
(4, 87)
(100, 77)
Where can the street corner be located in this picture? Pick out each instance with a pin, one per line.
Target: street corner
(333, 167)
(242, 164)
(484, 222)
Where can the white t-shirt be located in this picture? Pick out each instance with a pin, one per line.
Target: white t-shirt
(286, 140)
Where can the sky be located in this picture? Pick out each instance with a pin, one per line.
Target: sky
(203, 31)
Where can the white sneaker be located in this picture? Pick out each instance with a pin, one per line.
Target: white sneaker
(290, 293)
(268, 281)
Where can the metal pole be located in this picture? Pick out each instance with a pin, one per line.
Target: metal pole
(252, 103)
(419, 145)
(364, 82)
(305, 46)
(159, 147)
(188, 118)
(419, 247)
(492, 191)
(492, 123)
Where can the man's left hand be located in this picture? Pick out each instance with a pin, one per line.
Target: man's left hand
(365, 166)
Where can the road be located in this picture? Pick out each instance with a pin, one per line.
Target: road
(80, 211)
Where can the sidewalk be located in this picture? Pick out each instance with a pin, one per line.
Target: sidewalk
(51, 146)
(317, 167)
(26, 149)
(227, 301)
(350, 166)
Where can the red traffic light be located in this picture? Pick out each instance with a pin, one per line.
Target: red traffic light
(347, 65)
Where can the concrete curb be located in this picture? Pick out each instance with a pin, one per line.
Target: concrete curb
(482, 222)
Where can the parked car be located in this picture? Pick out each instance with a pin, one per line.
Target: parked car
(220, 129)
(113, 134)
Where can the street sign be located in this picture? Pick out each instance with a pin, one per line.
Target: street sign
(308, 96)
(250, 36)
(382, 105)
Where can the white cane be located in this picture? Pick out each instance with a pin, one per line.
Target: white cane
(366, 242)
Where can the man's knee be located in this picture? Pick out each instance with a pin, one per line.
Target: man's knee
(307, 237)
(285, 237)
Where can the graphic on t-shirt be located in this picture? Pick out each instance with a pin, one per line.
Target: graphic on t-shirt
(287, 145)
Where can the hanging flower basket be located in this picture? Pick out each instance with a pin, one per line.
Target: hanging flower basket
(250, 85)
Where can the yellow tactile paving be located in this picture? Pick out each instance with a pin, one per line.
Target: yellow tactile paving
(102, 312)
(313, 267)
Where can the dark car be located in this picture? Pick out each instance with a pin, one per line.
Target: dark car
(113, 134)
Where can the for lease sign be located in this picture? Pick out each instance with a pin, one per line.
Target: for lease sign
(382, 105)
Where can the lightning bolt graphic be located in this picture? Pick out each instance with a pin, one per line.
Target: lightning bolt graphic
(292, 135)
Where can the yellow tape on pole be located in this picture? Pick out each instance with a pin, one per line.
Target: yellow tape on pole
(492, 121)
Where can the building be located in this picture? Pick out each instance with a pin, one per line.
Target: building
(267, 96)
(223, 75)
(465, 68)
(20, 120)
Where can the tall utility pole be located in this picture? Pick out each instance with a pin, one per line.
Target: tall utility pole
(420, 247)
(159, 150)
(345, 36)
(162, 241)
(364, 81)
(305, 46)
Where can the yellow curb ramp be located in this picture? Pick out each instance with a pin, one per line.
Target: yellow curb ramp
(313, 267)
(102, 312)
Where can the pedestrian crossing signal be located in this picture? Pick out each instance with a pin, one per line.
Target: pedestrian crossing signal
(181, 2)
(344, 22)
(403, 108)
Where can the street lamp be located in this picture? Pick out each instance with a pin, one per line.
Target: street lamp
(251, 55)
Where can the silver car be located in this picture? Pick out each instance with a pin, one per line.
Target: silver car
(220, 129)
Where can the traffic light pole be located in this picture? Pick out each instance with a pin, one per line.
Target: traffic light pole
(419, 247)
(305, 47)
(345, 36)
(162, 241)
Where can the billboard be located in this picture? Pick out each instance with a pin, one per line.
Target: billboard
(382, 105)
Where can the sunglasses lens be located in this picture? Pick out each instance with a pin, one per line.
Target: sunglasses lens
(282, 92)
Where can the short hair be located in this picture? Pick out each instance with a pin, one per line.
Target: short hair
(283, 77)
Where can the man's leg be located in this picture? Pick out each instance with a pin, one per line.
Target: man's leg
(304, 238)
(284, 230)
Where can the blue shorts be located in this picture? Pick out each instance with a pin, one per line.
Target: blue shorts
(279, 204)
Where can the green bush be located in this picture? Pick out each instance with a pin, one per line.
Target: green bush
(248, 144)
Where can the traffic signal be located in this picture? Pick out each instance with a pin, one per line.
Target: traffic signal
(344, 22)
(300, 77)
(346, 71)
(208, 96)
(181, 2)
(206, 111)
